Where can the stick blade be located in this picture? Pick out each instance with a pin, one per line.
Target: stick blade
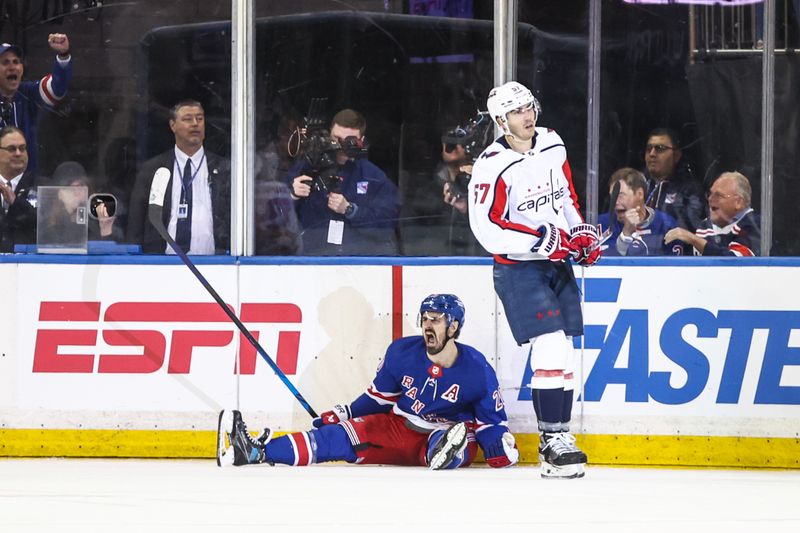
(224, 445)
(158, 190)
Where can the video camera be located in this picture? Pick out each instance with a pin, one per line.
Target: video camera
(320, 150)
(474, 137)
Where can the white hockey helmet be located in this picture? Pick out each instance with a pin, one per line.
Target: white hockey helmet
(508, 97)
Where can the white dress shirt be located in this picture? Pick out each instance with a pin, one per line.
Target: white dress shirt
(202, 242)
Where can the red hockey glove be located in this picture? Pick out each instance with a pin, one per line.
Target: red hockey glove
(553, 243)
(503, 452)
(586, 238)
(339, 413)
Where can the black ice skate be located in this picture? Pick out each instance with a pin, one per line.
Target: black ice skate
(449, 446)
(235, 446)
(559, 456)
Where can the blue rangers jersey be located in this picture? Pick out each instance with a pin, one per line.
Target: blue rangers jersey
(740, 238)
(648, 239)
(512, 194)
(431, 397)
(32, 96)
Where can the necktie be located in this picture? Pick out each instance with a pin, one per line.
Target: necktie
(3, 198)
(183, 232)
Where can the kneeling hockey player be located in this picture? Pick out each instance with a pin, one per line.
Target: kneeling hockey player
(431, 399)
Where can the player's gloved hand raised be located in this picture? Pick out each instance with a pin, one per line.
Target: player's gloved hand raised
(586, 238)
(502, 452)
(553, 243)
(339, 413)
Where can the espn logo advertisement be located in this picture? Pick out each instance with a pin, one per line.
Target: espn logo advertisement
(154, 342)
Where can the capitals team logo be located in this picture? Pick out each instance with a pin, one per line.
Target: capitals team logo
(536, 200)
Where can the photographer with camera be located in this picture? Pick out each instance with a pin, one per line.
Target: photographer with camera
(460, 146)
(103, 207)
(346, 205)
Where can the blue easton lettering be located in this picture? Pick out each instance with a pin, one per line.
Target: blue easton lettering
(685, 385)
(777, 355)
(684, 355)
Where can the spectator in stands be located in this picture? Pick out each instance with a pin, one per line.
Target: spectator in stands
(352, 212)
(272, 159)
(103, 208)
(438, 203)
(197, 203)
(732, 228)
(671, 187)
(452, 175)
(20, 101)
(277, 228)
(18, 191)
(636, 229)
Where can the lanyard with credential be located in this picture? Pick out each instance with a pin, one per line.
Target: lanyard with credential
(184, 186)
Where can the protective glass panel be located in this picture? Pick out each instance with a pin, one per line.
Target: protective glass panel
(681, 102)
(62, 220)
(104, 108)
(418, 73)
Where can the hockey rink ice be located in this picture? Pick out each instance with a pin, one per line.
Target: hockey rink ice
(110, 495)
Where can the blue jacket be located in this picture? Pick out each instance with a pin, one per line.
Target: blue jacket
(370, 230)
(740, 238)
(647, 240)
(31, 96)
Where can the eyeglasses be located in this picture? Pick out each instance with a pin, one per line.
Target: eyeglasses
(22, 148)
(450, 147)
(719, 196)
(659, 148)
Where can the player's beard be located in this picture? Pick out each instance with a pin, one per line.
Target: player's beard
(433, 342)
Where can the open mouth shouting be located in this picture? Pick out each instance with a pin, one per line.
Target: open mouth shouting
(430, 337)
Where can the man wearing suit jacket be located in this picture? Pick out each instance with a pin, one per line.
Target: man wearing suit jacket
(17, 191)
(197, 204)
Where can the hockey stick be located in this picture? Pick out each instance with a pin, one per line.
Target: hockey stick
(154, 214)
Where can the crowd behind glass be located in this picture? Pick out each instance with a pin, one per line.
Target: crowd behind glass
(344, 176)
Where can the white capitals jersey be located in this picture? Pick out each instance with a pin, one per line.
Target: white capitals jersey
(512, 194)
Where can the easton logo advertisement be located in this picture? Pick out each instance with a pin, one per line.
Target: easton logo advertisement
(629, 355)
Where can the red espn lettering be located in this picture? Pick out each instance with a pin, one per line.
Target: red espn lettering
(153, 342)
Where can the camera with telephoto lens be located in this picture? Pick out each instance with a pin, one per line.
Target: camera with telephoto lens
(320, 151)
(474, 137)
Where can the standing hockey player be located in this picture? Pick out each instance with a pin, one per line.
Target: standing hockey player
(525, 211)
(431, 399)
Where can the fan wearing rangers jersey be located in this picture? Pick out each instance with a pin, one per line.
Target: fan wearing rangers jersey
(731, 228)
(430, 402)
(524, 211)
(20, 101)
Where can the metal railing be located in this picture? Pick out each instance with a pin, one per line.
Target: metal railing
(721, 30)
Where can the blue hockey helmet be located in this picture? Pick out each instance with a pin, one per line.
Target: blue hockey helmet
(448, 304)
